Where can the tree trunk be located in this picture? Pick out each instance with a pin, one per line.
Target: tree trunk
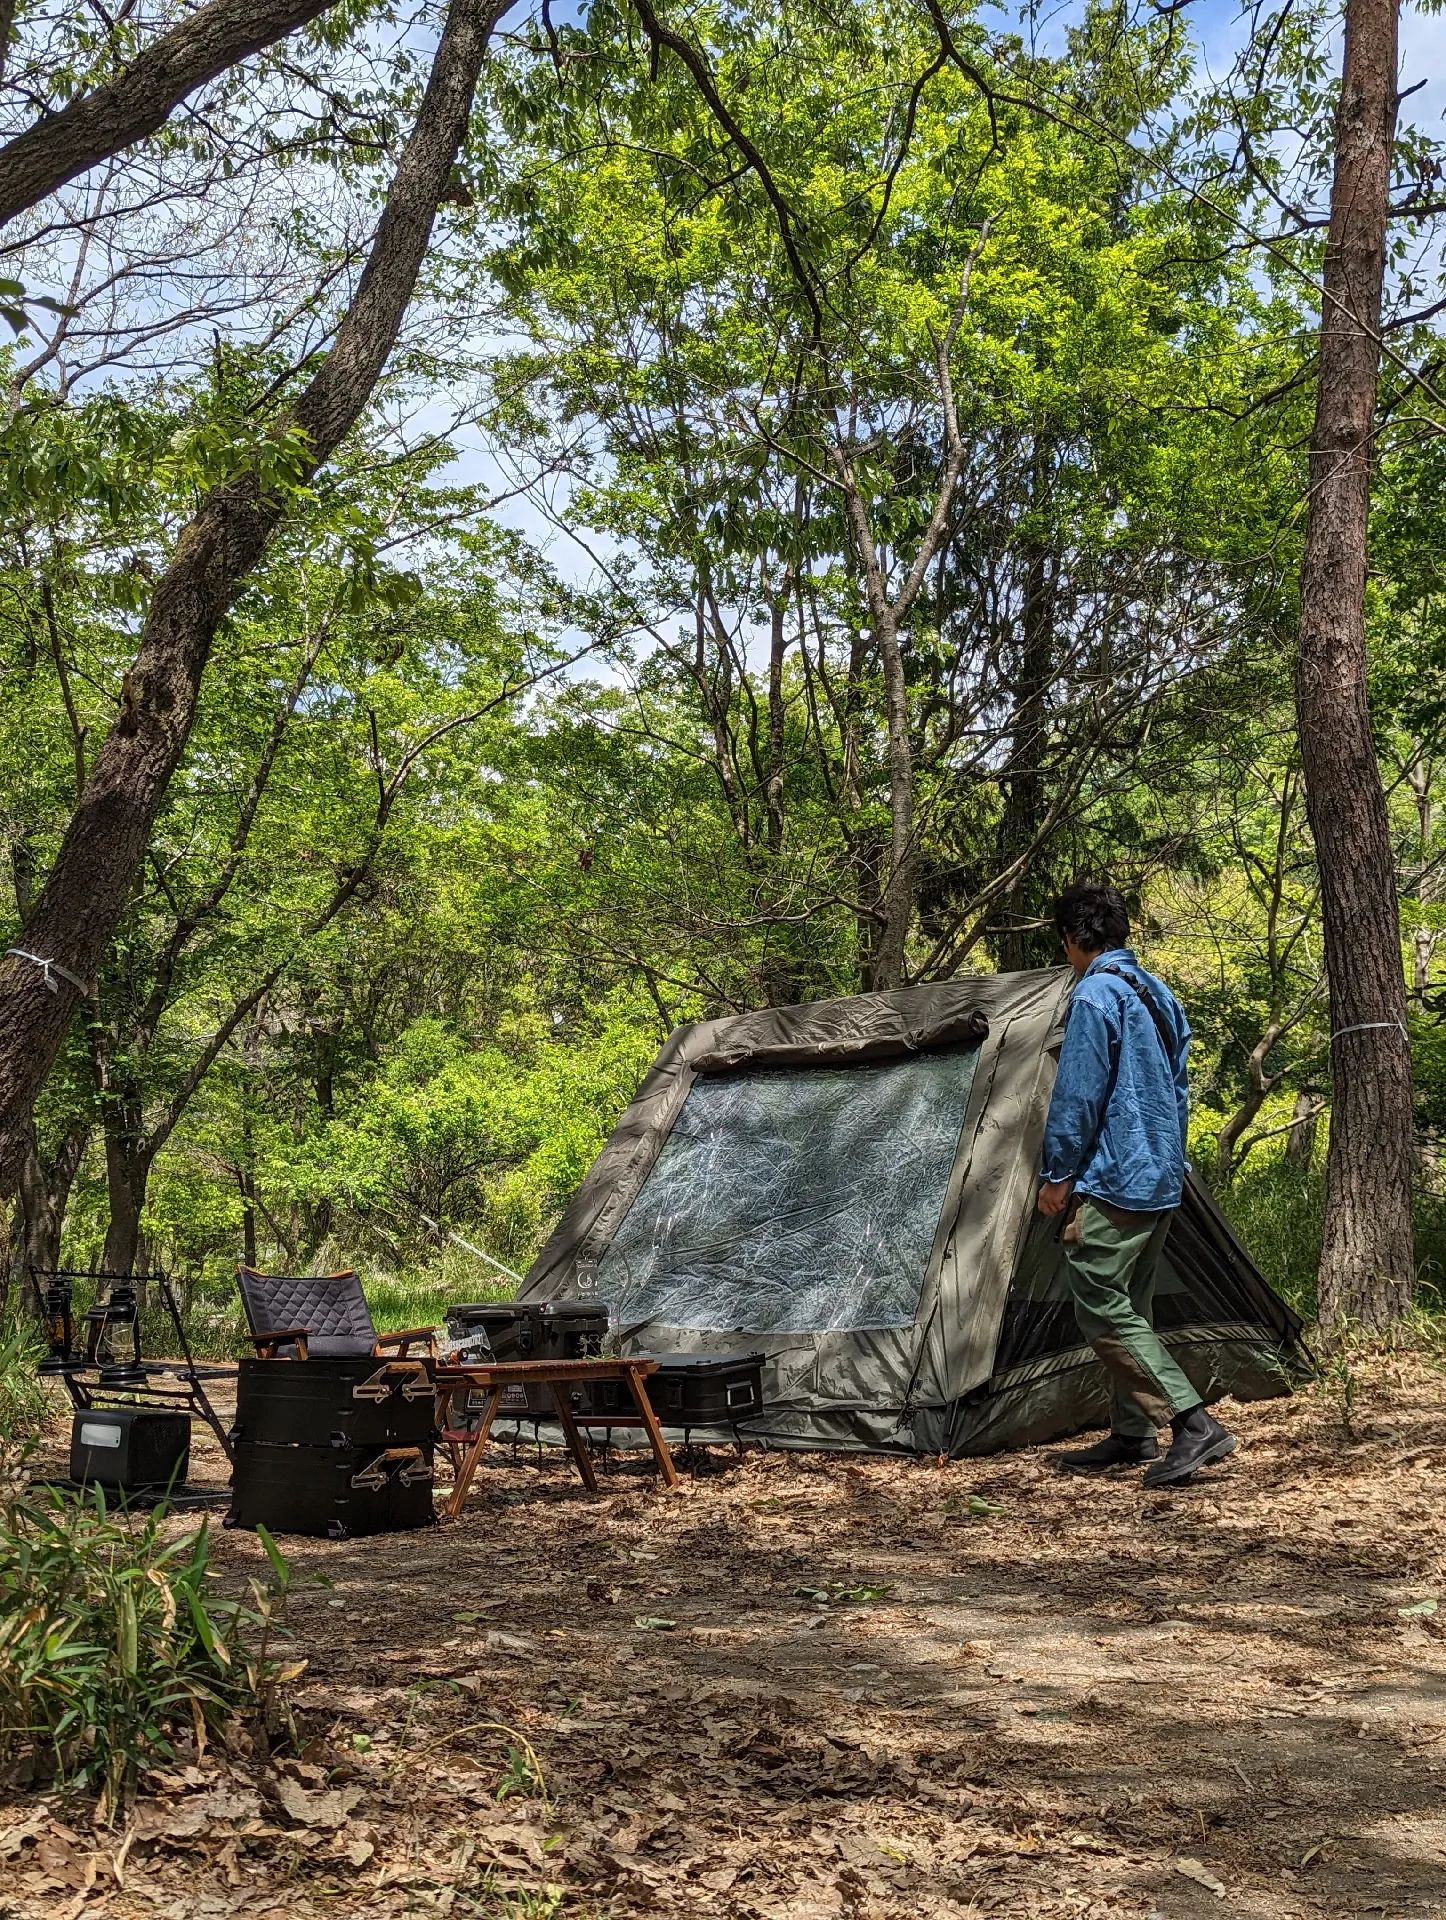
(45, 1194)
(776, 650)
(90, 882)
(1366, 1265)
(141, 99)
(1423, 945)
(1300, 1140)
(1429, 1164)
(1259, 1087)
(248, 1217)
(127, 1175)
(1023, 772)
(896, 897)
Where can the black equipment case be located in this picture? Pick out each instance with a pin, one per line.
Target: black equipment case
(688, 1390)
(706, 1389)
(534, 1330)
(130, 1448)
(568, 1330)
(353, 1402)
(340, 1492)
(501, 1326)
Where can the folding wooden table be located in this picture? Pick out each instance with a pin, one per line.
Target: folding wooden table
(557, 1375)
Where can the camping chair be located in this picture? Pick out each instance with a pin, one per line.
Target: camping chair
(318, 1317)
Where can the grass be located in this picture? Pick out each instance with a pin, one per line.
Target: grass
(114, 1654)
(23, 1405)
(1277, 1210)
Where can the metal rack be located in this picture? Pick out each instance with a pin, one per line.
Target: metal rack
(96, 1371)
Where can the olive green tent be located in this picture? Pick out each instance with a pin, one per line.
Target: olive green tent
(849, 1187)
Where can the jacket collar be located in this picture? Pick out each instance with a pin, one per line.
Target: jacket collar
(1111, 957)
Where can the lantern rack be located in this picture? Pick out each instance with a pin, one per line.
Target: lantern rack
(97, 1353)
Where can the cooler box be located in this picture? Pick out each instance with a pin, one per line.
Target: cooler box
(569, 1330)
(338, 1492)
(132, 1448)
(356, 1402)
(505, 1329)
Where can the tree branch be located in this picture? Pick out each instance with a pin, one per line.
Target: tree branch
(141, 99)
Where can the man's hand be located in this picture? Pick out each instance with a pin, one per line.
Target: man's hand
(1053, 1197)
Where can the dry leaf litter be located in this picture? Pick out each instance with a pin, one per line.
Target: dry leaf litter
(809, 1687)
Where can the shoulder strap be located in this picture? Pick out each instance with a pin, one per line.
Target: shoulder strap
(1161, 1030)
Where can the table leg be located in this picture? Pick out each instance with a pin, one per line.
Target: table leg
(473, 1455)
(654, 1432)
(574, 1438)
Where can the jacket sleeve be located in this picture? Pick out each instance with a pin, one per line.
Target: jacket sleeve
(1182, 1080)
(1081, 1088)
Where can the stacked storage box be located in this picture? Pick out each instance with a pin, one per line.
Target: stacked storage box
(334, 1447)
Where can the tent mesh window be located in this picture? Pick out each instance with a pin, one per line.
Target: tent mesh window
(795, 1200)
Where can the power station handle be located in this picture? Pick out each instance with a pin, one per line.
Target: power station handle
(409, 1377)
(408, 1463)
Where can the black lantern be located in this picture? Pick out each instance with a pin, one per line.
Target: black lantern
(115, 1343)
(61, 1359)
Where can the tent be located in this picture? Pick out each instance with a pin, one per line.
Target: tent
(848, 1187)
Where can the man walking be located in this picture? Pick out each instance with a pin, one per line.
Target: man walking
(1115, 1139)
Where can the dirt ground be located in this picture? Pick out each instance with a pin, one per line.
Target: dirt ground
(1049, 1696)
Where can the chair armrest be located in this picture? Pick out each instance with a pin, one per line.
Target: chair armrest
(266, 1343)
(401, 1340)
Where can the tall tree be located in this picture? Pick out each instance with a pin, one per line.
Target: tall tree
(1366, 1264)
(87, 888)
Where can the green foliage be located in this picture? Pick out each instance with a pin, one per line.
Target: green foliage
(404, 941)
(23, 1404)
(112, 1648)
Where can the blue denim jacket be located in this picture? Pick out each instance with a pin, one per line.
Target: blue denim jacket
(1117, 1121)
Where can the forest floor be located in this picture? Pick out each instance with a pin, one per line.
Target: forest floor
(1049, 1696)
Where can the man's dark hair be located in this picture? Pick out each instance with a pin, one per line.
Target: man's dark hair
(1095, 918)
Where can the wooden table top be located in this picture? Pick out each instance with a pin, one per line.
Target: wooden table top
(539, 1373)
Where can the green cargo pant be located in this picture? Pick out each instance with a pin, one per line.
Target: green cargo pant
(1112, 1270)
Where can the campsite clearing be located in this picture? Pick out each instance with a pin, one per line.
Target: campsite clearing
(1023, 1694)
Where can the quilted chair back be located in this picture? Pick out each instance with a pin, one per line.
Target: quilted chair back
(330, 1306)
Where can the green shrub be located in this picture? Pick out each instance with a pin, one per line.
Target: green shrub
(1277, 1210)
(111, 1647)
(23, 1405)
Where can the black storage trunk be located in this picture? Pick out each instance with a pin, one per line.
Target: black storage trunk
(339, 1492)
(353, 1402)
(706, 1389)
(131, 1448)
(602, 1399)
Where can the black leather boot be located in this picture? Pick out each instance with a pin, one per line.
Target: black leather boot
(1199, 1442)
(1115, 1450)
